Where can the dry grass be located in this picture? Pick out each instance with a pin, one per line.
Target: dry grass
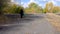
(54, 20)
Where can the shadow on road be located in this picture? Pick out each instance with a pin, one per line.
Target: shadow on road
(11, 19)
(15, 19)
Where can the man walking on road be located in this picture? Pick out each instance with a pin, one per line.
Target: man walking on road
(21, 13)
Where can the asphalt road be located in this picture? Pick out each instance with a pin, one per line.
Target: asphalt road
(31, 24)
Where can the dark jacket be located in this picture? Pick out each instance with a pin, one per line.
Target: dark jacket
(21, 13)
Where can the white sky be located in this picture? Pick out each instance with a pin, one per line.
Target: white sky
(12, 0)
(26, 4)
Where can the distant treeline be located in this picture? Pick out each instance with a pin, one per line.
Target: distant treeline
(6, 7)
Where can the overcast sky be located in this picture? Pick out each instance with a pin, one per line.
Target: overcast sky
(39, 2)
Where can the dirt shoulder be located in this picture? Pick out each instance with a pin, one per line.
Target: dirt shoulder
(54, 20)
